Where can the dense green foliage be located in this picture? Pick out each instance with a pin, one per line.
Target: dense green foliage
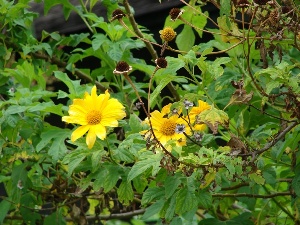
(242, 169)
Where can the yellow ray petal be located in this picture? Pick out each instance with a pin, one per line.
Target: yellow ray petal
(91, 137)
(79, 132)
(100, 131)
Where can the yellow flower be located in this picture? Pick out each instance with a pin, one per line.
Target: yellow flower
(94, 113)
(202, 106)
(164, 127)
(167, 34)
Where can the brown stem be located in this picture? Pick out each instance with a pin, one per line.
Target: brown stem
(149, 46)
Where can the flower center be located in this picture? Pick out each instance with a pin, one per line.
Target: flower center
(168, 128)
(93, 117)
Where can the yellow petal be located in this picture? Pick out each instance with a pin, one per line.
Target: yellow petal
(75, 119)
(79, 132)
(166, 109)
(91, 137)
(100, 131)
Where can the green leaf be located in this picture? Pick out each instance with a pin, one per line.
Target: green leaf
(57, 147)
(185, 201)
(125, 192)
(55, 218)
(171, 184)
(225, 7)
(296, 183)
(151, 194)
(153, 209)
(114, 52)
(271, 85)
(199, 21)
(186, 39)
(135, 123)
(257, 178)
(75, 89)
(98, 40)
(4, 208)
(140, 183)
(269, 175)
(111, 178)
(204, 199)
(143, 165)
(169, 215)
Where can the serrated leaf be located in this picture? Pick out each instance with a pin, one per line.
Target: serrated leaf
(257, 178)
(125, 192)
(57, 147)
(171, 184)
(151, 194)
(141, 166)
(185, 201)
(204, 199)
(271, 85)
(98, 40)
(75, 89)
(140, 183)
(213, 118)
(135, 123)
(153, 209)
(111, 178)
(225, 7)
(169, 215)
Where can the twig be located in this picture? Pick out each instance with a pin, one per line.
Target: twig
(235, 187)
(92, 218)
(252, 195)
(148, 46)
(277, 138)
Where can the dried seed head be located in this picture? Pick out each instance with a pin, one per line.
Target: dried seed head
(175, 13)
(286, 9)
(167, 34)
(198, 137)
(117, 14)
(180, 128)
(122, 67)
(274, 17)
(187, 104)
(243, 4)
(161, 62)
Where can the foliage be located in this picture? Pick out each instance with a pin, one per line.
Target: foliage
(232, 159)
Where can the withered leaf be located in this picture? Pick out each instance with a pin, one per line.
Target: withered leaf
(213, 118)
(236, 145)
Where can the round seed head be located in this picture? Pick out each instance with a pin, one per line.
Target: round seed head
(167, 34)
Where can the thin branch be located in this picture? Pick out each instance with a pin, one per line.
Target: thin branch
(235, 187)
(277, 138)
(125, 215)
(149, 46)
(252, 195)
(280, 206)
